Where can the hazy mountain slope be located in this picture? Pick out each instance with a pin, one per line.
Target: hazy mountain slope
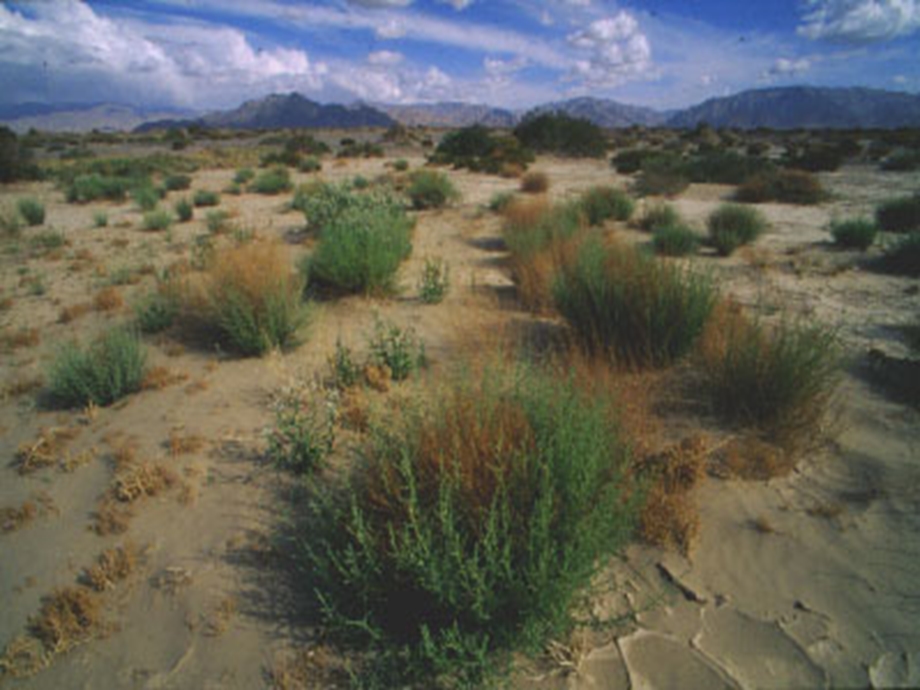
(449, 115)
(604, 112)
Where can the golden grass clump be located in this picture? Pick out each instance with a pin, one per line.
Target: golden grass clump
(45, 450)
(11, 519)
(535, 182)
(108, 299)
(68, 617)
(74, 312)
(158, 378)
(180, 444)
(144, 479)
(112, 566)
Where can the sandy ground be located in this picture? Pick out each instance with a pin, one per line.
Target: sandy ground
(804, 581)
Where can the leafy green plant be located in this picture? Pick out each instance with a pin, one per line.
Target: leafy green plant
(156, 311)
(244, 175)
(602, 203)
(562, 134)
(434, 281)
(345, 370)
(470, 529)
(631, 306)
(399, 349)
(659, 216)
(204, 197)
(731, 226)
(177, 182)
(32, 211)
(304, 432)
(145, 197)
(109, 369)
(271, 182)
(184, 210)
(431, 189)
(100, 219)
(157, 220)
(856, 233)
(674, 240)
(900, 214)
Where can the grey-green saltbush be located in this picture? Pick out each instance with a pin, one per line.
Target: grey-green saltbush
(32, 210)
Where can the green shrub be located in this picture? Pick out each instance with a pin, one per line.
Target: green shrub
(470, 531)
(431, 189)
(603, 203)
(145, 197)
(629, 161)
(93, 186)
(100, 219)
(434, 281)
(398, 349)
(111, 368)
(310, 164)
(156, 311)
(674, 240)
(401, 165)
(777, 378)
(857, 233)
(304, 432)
(899, 215)
(157, 220)
(174, 183)
(659, 216)
(244, 175)
(476, 148)
(360, 182)
(184, 210)
(233, 189)
(274, 181)
(731, 226)
(15, 158)
(562, 134)
(785, 186)
(500, 200)
(662, 175)
(216, 221)
(903, 255)
(632, 307)
(32, 211)
(45, 240)
(901, 161)
(345, 370)
(205, 197)
(725, 167)
(10, 223)
(816, 158)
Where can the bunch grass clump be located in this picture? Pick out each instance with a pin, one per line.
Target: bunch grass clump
(732, 226)
(431, 189)
(468, 531)
(604, 203)
(674, 240)
(659, 216)
(108, 370)
(901, 214)
(157, 220)
(856, 233)
(271, 182)
(632, 307)
(204, 197)
(146, 197)
(32, 211)
(903, 255)
(184, 210)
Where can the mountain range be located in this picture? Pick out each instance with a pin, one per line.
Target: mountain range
(775, 108)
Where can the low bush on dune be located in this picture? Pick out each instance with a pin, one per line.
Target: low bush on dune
(778, 378)
(157, 220)
(725, 167)
(177, 182)
(470, 528)
(602, 203)
(204, 197)
(732, 226)
(662, 175)
(630, 306)
(250, 298)
(563, 135)
(146, 197)
(674, 240)
(106, 371)
(271, 182)
(431, 189)
(901, 214)
(785, 186)
(856, 233)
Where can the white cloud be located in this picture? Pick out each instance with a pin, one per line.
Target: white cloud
(458, 4)
(385, 57)
(860, 21)
(378, 4)
(615, 51)
(390, 29)
(784, 67)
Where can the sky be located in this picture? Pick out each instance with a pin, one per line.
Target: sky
(214, 54)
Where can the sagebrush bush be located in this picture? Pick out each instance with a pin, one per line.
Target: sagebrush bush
(471, 529)
(778, 378)
(662, 175)
(602, 203)
(674, 240)
(431, 189)
(94, 186)
(786, 186)
(146, 197)
(204, 197)
(856, 233)
(900, 214)
(177, 182)
(184, 210)
(156, 311)
(252, 299)
(903, 255)
(535, 182)
(271, 182)
(157, 220)
(109, 369)
(732, 226)
(31, 210)
(659, 216)
(630, 306)
(562, 134)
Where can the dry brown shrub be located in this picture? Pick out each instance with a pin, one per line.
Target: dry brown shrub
(353, 410)
(45, 450)
(6, 303)
(750, 457)
(110, 518)
(24, 337)
(183, 445)
(74, 312)
(511, 170)
(526, 213)
(112, 566)
(139, 481)
(217, 623)
(158, 378)
(68, 617)
(23, 657)
(22, 385)
(378, 377)
(108, 299)
(535, 182)
(11, 519)
(534, 275)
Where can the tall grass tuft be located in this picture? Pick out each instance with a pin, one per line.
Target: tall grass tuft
(470, 530)
(431, 189)
(901, 214)
(659, 216)
(731, 226)
(856, 233)
(32, 211)
(270, 182)
(604, 203)
(109, 369)
(674, 240)
(633, 307)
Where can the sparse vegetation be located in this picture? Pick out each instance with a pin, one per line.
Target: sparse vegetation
(156, 311)
(431, 189)
(304, 431)
(156, 221)
(732, 226)
(674, 240)
(605, 203)
(397, 349)
(271, 182)
(434, 281)
(901, 214)
(32, 211)
(856, 233)
(204, 197)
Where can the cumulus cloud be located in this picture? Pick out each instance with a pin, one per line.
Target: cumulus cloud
(390, 29)
(385, 57)
(614, 49)
(784, 67)
(381, 4)
(458, 4)
(859, 21)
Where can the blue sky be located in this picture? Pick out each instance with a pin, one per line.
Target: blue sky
(204, 54)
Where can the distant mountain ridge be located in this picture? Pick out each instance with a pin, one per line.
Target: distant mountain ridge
(775, 108)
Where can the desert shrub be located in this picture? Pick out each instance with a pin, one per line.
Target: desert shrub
(310, 164)
(731, 226)
(204, 197)
(109, 369)
(476, 148)
(304, 431)
(903, 255)
(857, 233)
(431, 189)
(401, 165)
(360, 182)
(662, 175)
(602, 203)
(46, 240)
(244, 175)
(146, 197)
(630, 306)
(630, 161)
(274, 181)
(434, 282)
(216, 221)
(252, 299)
(786, 186)
(815, 158)
(500, 201)
(779, 378)
(93, 186)
(562, 134)
(156, 311)
(353, 149)
(901, 161)
(157, 220)
(659, 216)
(471, 530)
(901, 214)
(15, 158)
(725, 167)
(535, 183)
(398, 349)
(322, 202)
(674, 240)
(10, 223)
(177, 182)
(184, 210)
(32, 211)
